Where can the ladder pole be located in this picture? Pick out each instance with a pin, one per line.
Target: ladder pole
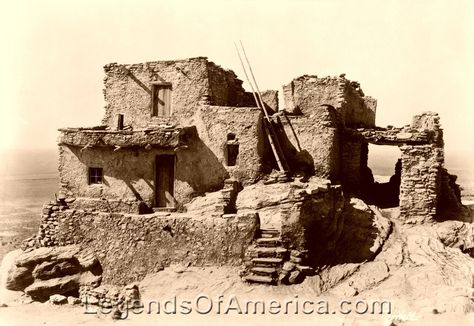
(266, 126)
(272, 130)
(253, 77)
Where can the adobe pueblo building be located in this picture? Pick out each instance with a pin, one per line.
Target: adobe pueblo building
(185, 168)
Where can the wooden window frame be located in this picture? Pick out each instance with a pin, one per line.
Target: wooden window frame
(96, 175)
(155, 87)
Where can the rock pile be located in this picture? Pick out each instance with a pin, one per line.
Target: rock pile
(108, 296)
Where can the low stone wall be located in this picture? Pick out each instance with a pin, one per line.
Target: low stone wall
(130, 246)
(47, 232)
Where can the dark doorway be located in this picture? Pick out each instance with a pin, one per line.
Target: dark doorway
(232, 149)
(386, 166)
(164, 181)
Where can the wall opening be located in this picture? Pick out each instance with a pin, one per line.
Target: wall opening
(231, 149)
(386, 166)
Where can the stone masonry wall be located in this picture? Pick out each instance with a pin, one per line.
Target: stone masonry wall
(130, 246)
(354, 161)
(422, 173)
(420, 182)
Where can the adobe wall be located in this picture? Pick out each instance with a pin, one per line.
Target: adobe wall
(318, 136)
(130, 246)
(214, 123)
(306, 94)
(129, 175)
(127, 89)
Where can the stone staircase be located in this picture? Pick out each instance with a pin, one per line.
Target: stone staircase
(226, 201)
(266, 258)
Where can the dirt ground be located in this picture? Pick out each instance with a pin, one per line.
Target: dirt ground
(189, 283)
(211, 282)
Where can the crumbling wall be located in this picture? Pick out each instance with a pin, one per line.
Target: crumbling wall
(225, 89)
(130, 246)
(215, 123)
(129, 179)
(306, 94)
(128, 90)
(358, 109)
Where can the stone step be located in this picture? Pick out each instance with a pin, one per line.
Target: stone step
(269, 251)
(270, 230)
(266, 261)
(269, 233)
(270, 271)
(268, 242)
(259, 279)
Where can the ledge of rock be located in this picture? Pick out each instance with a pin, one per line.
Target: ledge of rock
(46, 271)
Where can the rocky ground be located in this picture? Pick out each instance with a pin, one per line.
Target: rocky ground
(426, 272)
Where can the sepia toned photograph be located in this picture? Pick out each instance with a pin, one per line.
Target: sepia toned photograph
(237, 162)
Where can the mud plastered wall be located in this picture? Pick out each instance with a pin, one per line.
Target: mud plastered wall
(129, 175)
(319, 139)
(128, 89)
(130, 246)
(306, 93)
(214, 123)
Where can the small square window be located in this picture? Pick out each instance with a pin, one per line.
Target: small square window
(161, 99)
(95, 175)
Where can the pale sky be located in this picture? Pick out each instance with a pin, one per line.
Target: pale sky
(412, 56)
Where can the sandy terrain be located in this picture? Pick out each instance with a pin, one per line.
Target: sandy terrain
(189, 283)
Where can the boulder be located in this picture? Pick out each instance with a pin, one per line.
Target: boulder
(295, 277)
(47, 270)
(364, 233)
(57, 299)
(18, 278)
(42, 289)
(8, 261)
(258, 196)
(44, 272)
(457, 234)
(73, 300)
